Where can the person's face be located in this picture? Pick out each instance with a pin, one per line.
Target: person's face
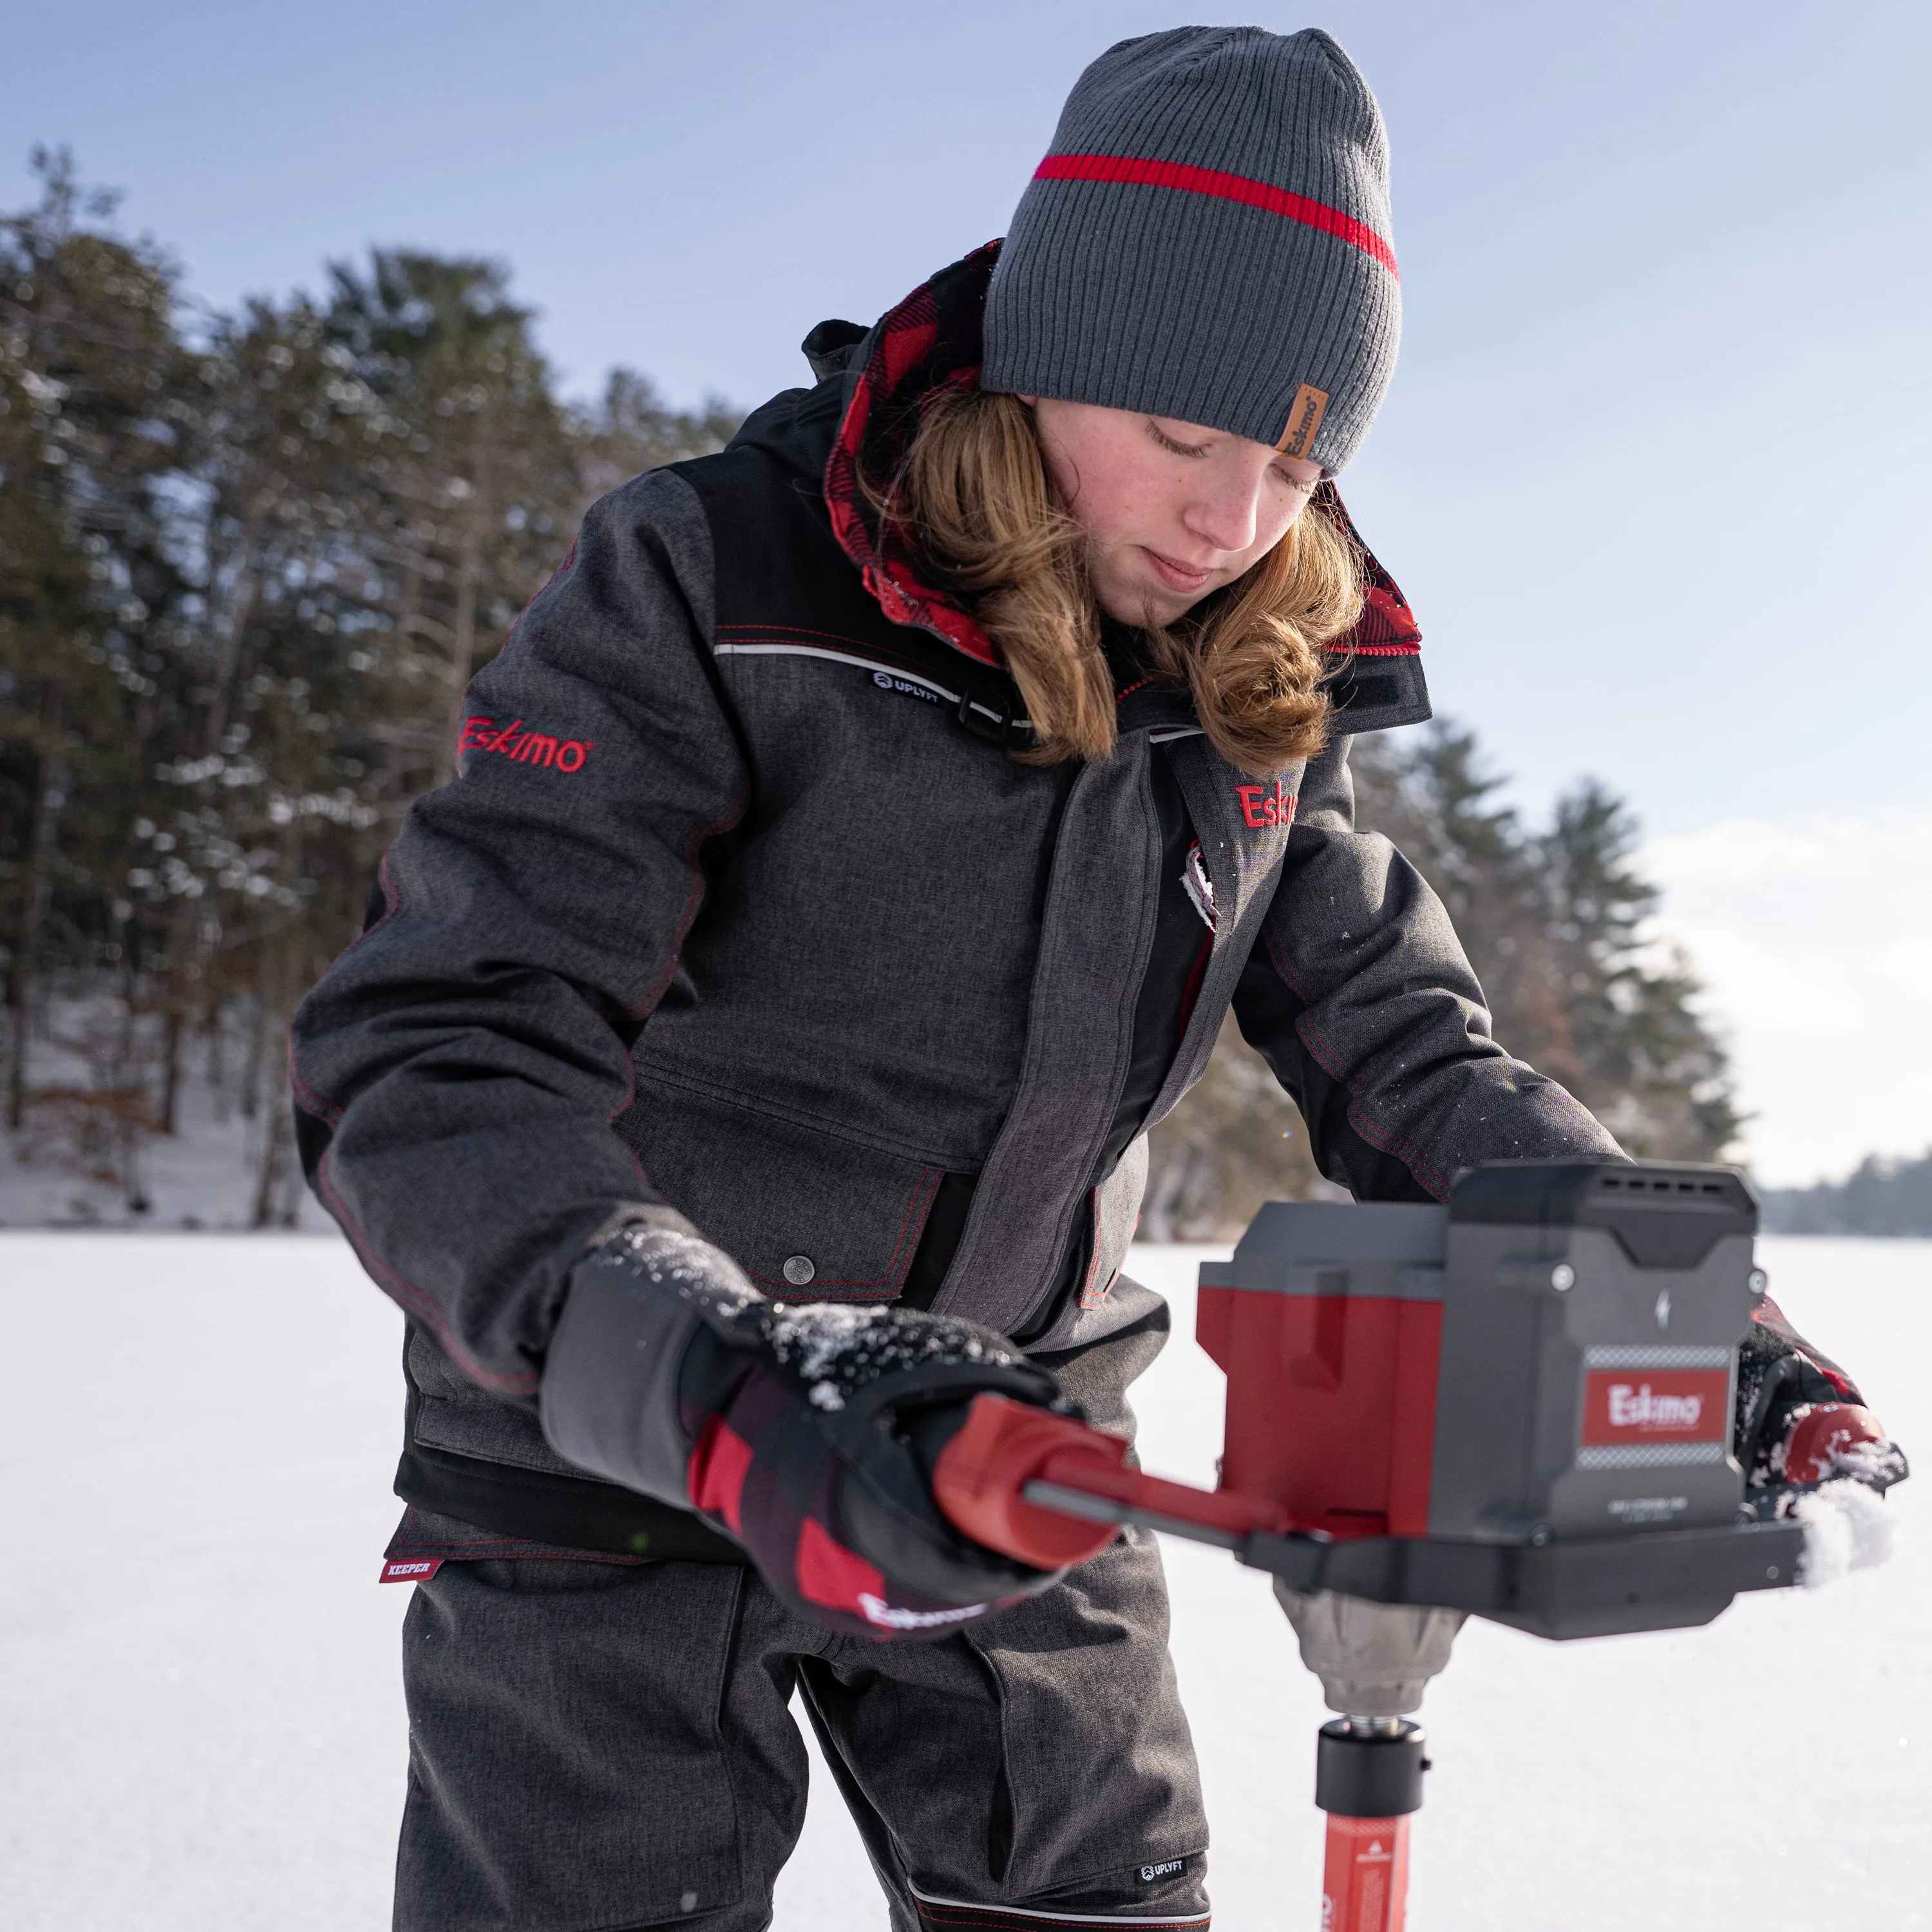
(1171, 511)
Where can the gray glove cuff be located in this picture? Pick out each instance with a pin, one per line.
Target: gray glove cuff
(608, 1401)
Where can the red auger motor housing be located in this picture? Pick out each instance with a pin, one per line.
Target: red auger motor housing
(1519, 1404)
(1546, 1366)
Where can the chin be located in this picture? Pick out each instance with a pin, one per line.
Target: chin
(1166, 608)
(1131, 604)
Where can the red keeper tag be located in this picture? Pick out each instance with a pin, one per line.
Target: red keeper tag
(416, 1570)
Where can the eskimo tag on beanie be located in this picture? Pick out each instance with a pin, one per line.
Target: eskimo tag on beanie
(1209, 240)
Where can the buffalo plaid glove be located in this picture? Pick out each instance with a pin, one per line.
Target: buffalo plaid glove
(1801, 1421)
(808, 1433)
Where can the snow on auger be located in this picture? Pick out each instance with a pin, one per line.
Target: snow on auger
(1519, 1406)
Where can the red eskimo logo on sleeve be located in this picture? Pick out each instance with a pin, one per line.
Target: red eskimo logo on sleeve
(524, 746)
(1656, 1406)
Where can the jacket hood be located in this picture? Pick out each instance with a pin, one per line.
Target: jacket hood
(929, 346)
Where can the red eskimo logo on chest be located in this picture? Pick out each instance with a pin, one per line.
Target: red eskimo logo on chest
(524, 746)
(1260, 806)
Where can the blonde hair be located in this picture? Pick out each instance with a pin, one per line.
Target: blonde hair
(972, 501)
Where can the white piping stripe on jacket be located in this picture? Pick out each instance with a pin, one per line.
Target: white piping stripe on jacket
(846, 657)
(1061, 1917)
(906, 677)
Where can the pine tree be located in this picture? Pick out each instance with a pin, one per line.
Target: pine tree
(1554, 923)
(475, 489)
(632, 429)
(1646, 1060)
(96, 415)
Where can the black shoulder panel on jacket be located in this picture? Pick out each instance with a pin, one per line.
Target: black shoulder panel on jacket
(1377, 694)
(784, 584)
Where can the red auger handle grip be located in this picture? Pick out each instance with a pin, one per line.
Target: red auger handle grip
(1823, 1435)
(983, 1474)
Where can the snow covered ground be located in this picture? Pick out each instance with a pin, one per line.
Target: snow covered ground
(197, 1669)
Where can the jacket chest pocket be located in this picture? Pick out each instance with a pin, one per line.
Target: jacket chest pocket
(809, 1215)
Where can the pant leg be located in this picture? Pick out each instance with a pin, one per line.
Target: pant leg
(1040, 1763)
(595, 1745)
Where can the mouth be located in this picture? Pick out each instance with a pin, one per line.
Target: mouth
(1177, 576)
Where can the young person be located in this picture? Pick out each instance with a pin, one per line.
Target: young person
(856, 850)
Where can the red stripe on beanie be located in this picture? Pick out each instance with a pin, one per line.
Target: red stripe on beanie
(1124, 168)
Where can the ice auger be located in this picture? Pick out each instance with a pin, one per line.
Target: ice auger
(1518, 1406)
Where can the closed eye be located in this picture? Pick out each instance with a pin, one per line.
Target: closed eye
(1167, 441)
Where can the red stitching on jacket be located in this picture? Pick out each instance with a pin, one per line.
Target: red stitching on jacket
(569, 558)
(522, 747)
(990, 1918)
(307, 1098)
(1404, 1150)
(402, 1545)
(693, 900)
(801, 631)
(1196, 974)
(920, 1205)
(413, 1298)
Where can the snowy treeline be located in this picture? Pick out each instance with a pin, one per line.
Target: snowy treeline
(1881, 1197)
(248, 562)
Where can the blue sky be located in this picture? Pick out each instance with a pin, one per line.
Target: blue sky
(1653, 473)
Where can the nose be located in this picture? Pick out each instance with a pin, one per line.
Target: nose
(1225, 511)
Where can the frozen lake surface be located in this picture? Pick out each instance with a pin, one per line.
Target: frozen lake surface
(203, 1728)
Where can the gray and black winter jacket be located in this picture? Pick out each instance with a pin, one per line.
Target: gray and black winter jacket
(740, 907)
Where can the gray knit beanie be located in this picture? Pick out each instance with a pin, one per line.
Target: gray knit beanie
(1208, 240)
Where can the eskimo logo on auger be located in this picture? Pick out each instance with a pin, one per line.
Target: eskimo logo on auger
(1659, 1405)
(523, 747)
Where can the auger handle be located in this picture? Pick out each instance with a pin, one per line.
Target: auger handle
(1051, 1492)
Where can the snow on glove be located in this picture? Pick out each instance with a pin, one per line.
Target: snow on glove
(1800, 1420)
(807, 1432)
